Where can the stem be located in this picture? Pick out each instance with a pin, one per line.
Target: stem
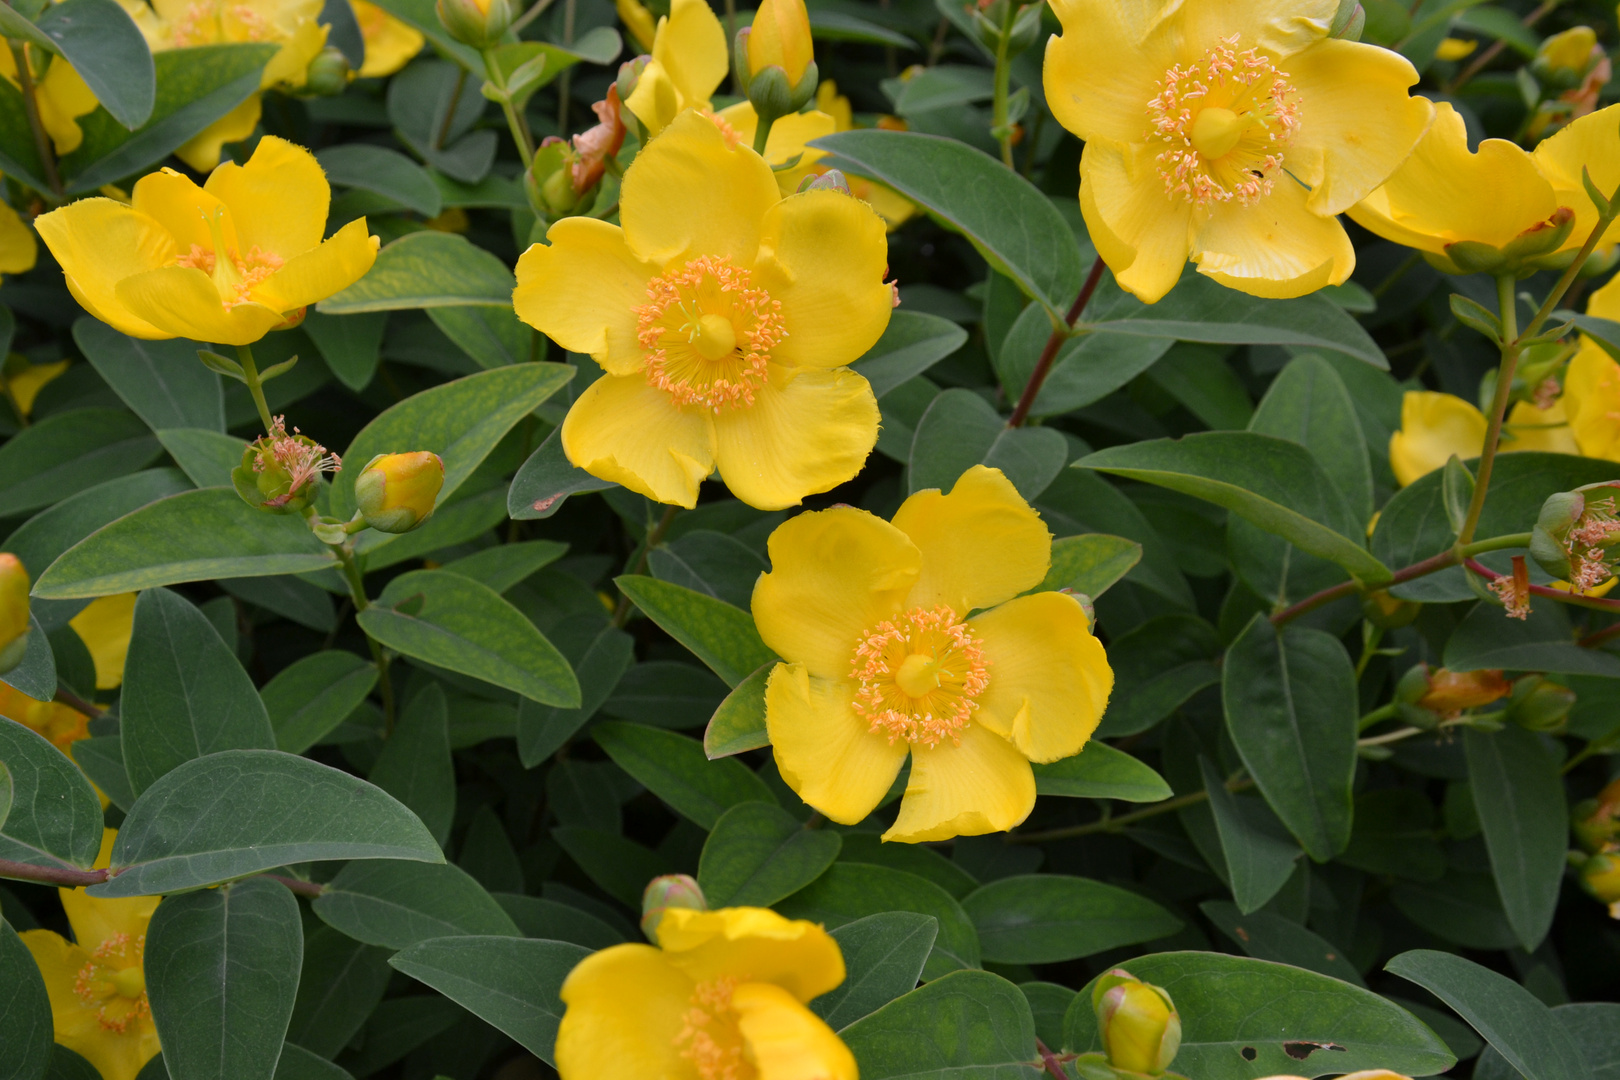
(42, 141)
(298, 886)
(450, 110)
(565, 83)
(1393, 736)
(1495, 48)
(1115, 824)
(762, 132)
(731, 37)
(621, 612)
(1608, 633)
(998, 116)
(515, 121)
(1378, 715)
(357, 592)
(51, 875)
(74, 701)
(1050, 1061)
(1043, 366)
(529, 16)
(1371, 637)
(1508, 313)
(250, 375)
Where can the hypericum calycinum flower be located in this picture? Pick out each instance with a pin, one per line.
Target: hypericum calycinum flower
(279, 473)
(1434, 426)
(105, 627)
(1448, 693)
(689, 61)
(1141, 1031)
(13, 611)
(724, 316)
(721, 997)
(57, 723)
(97, 982)
(390, 43)
(1592, 383)
(883, 659)
(396, 492)
(226, 263)
(1228, 133)
(60, 95)
(639, 21)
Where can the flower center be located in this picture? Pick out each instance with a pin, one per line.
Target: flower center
(113, 984)
(919, 675)
(236, 274)
(1223, 122)
(709, 332)
(710, 1038)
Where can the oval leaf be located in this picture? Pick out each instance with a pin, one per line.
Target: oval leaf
(397, 904)
(1047, 918)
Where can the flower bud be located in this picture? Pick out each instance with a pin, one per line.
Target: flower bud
(329, 74)
(781, 37)
(1600, 876)
(1563, 58)
(1349, 21)
(478, 23)
(1538, 704)
(1597, 821)
(13, 611)
(1388, 612)
(1141, 1031)
(396, 492)
(665, 892)
(1450, 692)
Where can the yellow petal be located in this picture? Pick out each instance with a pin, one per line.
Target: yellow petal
(77, 1027)
(654, 101)
(824, 751)
(823, 256)
(786, 141)
(834, 575)
(63, 97)
(691, 46)
(1144, 237)
(1280, 27)
(98, 243)
(95, 920)
(1433, 427)
(981, 544)
(1276, 248)
(752, 943)
(105, 627)
(1592, 394)
(639, 21)
(184, 302)
(785, 1040)
(1105, 67)
(807, 431)
(691, 194)
(290, 64)
(18, 248)
(582, 288)
(330, 267)
(1359, 122)
(623, 430)
(626, 1006)
(1605, 302)
(203, 149)
(1591, 142)
(183, 208)
(390, 43)
(279, 199)
(1049, 677)
(1531, 428)
(982, 786)
(25, 386)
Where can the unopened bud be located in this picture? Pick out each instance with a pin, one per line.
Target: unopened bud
(1538, 704)
(1348, 21)
(1413, 685)
(1597, 821)
(13, 611)
(1141, 1031)
(1450, 692)
(780, 36)
(396, 492)
(1563, 58)
(831, 180)
(329, 74)
(665, 892)
(478, 23)
(1600, 876)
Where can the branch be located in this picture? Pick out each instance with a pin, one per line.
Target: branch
(1043, 366)
(67, 877)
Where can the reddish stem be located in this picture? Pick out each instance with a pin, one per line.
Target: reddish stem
(1419, 569)
(1043, 366)
(1047, 1057)
(1596, 603)
(52, 875)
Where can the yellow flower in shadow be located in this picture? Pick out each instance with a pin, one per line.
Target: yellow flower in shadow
(1592, 383)
(390, 43)
(62, 97)
(105, 627)
(1434, 426)
(61, 725)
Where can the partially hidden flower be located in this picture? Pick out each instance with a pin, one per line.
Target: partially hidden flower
(105, 626)
(18, 248)
(22, 381)
(97, 981)
(1434, 426)
(722, 996)
(1231, 134)
(1592, 382)
(884, 658)
(1453, 49)
(390, 43)
(60, 95)
(723, 315)
(639, 21)
(689, 61)
(786, 148)
(1450, 692)
(58, 724)
(13, 611)
(396, 492)
(479, 23)
(226, 263)
(894, 208)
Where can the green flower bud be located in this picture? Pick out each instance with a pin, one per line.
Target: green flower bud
(1538, 704)
(328, 74)
(1141, 1031)
(1413, 685)
(1549, 537)
(478, 23)
(665, 892)
(1348, 21)
(13, 611)
(396, 492)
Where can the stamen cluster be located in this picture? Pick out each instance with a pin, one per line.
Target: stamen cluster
(297, 455)
(957, 668)
(709, 1037)
(96, 984)
(670, 325)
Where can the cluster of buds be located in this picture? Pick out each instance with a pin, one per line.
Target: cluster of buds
(1575, 536)
(1573, 66)
(665, 892)
(778, 59)
(397, 492)
(13, 612)
(1597, 861)
(564, 173)
(479, 23)
(279, 472)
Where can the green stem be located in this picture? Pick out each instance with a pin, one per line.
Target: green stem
(1507, 311)
(1391, 737)
(1372, 635)
(250, 375)
(565, 84)
(357, 593)
(1495, 543)
(1378, 715)
(762, 132)
(42, 141)
(515, 121)
(638, 563)
(1003, 84)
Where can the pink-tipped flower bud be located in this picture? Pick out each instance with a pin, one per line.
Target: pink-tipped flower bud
(13, 611)
(1141, 1031)
(665, 892)
(396, 492)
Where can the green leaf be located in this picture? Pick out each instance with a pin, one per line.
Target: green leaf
(102, 759)
(185, 695)
(314, 694)
(426, 269)
(1593, 1025)
(463, 518)
(351, 345)
(1395, 833)
(510, 983)
(1240, 1017)
(243, 812)
(397, 904)
(5, 793)
(67, 452)
(546, 480)
(1266, 936)
(1518, 1026)
(912, 343)
(341, 983)
(621, 867)
(757, 853)
(942, 86)
(884, 956)
(35, 674)
(222, 976)
(420, 14)
(1270, 482)
(504, 565)
(600, 657)
(193, 536)
(1087, 367)
(162, 381)
(461, 421)
(25, 1011)
(1260, 855)
(456, 623)
(850, 891)
(674, 768)
(290, 597)
(1090, 564)
(1290, 703)
(1016, 228)
(1309, 404)
(1544, 641)
(493, 336)
(869, 848)
(720, 635)
(194, 88)
(739, 723)
(1460, 907)
(548, 919)
(961, 430)
(1099, 771)
(1049, 918)
(206, 457)
(106, 48)
(969, 1025)
(382, 171)
(415, 765)
(839, 26)
(1519, 795)
(56, 820)
(1158, 666)
(710, 562)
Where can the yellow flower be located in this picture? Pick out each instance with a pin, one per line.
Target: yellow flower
(105, 627)
(689, 60)
(396, 492)
(13, 611)
(639, 21)
(786, 141)
(1455, 48)
(390, 43)
(96, 982)
(179, 24)
(780, 37)
(18, 248)
(60, 725)
(62, 97)
(883, 660)
(724, 316)
(1592, 383)
(1435, 426)
(722, 997)
(1246, 177)
(153, 269)
(23, 383)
